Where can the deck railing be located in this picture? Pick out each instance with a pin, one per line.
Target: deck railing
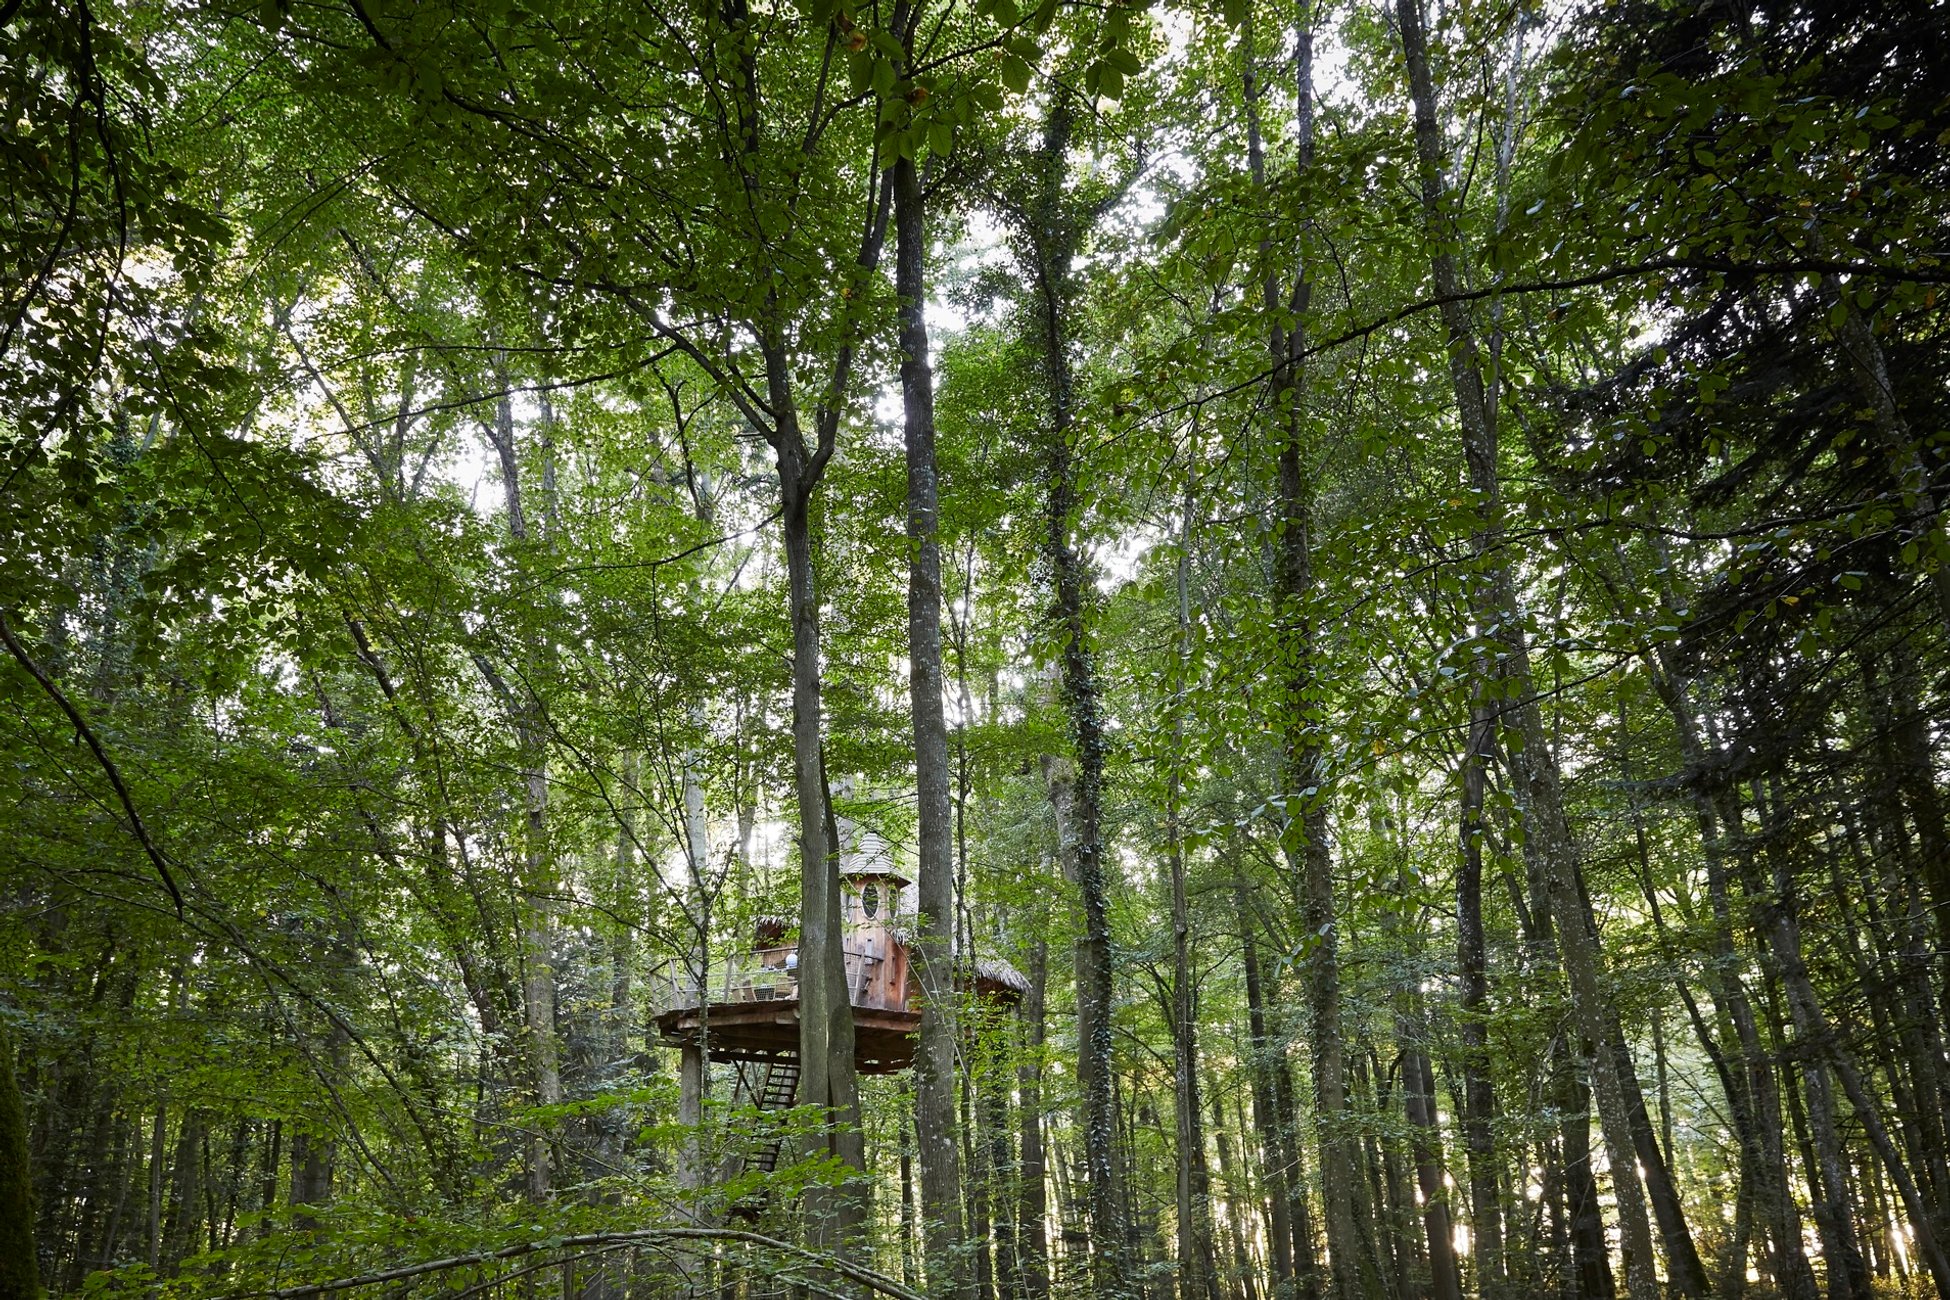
(768, 975)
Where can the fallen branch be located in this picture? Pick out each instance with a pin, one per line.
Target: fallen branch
(644, 1236)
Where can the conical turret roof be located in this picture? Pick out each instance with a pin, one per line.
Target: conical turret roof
(867, 854)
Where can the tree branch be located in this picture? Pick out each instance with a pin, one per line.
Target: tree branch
(55, 693)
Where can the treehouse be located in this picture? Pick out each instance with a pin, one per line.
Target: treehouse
(745, 1007)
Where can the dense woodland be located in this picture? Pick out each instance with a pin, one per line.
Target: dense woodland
(1380, 562)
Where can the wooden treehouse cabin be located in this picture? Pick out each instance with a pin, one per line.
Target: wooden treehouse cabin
(744, 1009)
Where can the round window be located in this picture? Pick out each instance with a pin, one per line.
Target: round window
(870, 899)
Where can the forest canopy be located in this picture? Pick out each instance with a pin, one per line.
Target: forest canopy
(975, 649)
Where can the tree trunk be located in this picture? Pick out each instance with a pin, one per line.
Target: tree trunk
(934, 1060)
(1000, 1171)
(910, 1225)
(828, 1075)
(1418, 1085)
(538, 884)
(1425, 1137)
(1303, 774)
(1472, 967)
(1053, 250)
(1497, 615)
(1231, 1177)
(19, 1263)
(1763, 1161)
(1780, 927)
(1032, 1196)
(1274, 1166)
(1198, 1274)
(1590, 1259)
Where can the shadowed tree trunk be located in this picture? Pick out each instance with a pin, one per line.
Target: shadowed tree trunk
(19, 1266)
(1303, 774)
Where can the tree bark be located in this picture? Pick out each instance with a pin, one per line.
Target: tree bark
(1052, 250)
(1198, 1273)
(943, 1234)
(19, 1262)
(826, 1041)
(1498, 616)
(1032, 1197)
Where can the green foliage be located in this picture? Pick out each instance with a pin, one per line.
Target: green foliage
(392, 400)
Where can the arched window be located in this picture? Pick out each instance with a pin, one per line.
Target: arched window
(870, 900)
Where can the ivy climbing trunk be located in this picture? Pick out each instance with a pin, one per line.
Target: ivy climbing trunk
(1052, 252)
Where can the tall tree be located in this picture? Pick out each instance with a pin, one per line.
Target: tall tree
(1499, 622)
(935, 1075)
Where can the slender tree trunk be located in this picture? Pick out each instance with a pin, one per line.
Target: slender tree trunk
(910, 1212)
(1497, 614)
(1590, 1259)
(1764, 1167)
(1274, 1166)
(1000, 1171)
(1032, 1196)
(1303, 767)
(694, 1057)
(1686, 1274)
(1198, 1273)
(1472, 966)
(537, 877)
(1905, 755)
(934, 1060)
(1418, 1091)
(1232, 1179)
(1780, 926)
(828, 1077)
(19, 1261)
(978, 1245)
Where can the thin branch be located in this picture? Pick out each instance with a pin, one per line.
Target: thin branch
(55, 693)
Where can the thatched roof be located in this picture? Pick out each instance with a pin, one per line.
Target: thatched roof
(995, 971)
(990, 975)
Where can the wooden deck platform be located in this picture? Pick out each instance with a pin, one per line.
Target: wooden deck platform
(746, 1007)
(769, 1031)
